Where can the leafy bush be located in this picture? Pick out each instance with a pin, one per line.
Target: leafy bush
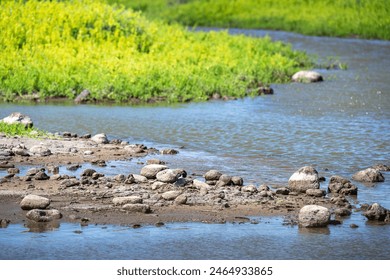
(21, 130)
(59, 48)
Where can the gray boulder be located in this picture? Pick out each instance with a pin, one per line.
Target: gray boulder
(38, 215)
(140, 179)
(100, 138)
(18, 118)
(39, 150)
(313, 216)
(369, 175)
(315, 192)
(303, 179)
(150, 171)
(338, 184)
(376, 212)
(307, 77)
(32, 201)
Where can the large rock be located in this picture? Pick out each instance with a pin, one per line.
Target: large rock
(303, 179)
(32, 201)
(39, 150)
(18, 118)
(127, 200)
(167, 176)
(38, 215)
(307, 77)
(313, 216)
(100, 138)
(171, 195)
(376, 212)
(369, 175)
(150, 171)
(338, 184)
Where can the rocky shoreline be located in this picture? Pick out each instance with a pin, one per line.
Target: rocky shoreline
(43, 197)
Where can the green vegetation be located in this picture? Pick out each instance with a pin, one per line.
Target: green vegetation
(21, 130)
(54, 49)
(342, 18)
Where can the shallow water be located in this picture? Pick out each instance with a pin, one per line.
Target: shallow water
(339, 126)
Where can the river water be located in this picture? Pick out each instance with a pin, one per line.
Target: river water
(339, 126)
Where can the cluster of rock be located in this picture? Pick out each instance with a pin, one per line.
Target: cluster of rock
(37, 206)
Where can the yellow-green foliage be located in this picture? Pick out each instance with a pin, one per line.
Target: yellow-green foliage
(22, 130)
(362, 18)
(59, 48)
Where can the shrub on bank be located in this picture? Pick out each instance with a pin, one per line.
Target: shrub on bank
(59, 48)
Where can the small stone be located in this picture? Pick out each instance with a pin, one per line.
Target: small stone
(353, 226)
(169, 152)
(250, 189)
(282, 191)
(41, 175)
(237, 181)
(32, 201)
(307, 77)
(40, 151)
(155, 161)
(315, 192)
(150, 171)
(181, 199)
(338, 184)
(139, 179)
(127, 200)
(67, 183)
(13, 170)
(100, 138)
(171, 195)
(88, 172)
(137, 208)
(88, 153)
(369, 175)
(212, 175)
(342, 212)
(167, 176)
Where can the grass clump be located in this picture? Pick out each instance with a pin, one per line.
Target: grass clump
(59, 48)
(341, 18)
(18, 129)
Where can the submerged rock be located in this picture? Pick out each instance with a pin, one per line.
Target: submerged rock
(32, 201)
(303, 179)
(313, 216)
(307, 77)
(376, 212)
(18, 118)
(338, 184)
(38, 215)
(369, 175)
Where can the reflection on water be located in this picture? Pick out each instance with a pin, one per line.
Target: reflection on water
(265, 240)
(339, 126)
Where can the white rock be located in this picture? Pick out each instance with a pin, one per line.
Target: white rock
(18, 118)
(39, 215)
(313, 216)
(171, 195)
(40, 151)
(166, 176)
(307, 77)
